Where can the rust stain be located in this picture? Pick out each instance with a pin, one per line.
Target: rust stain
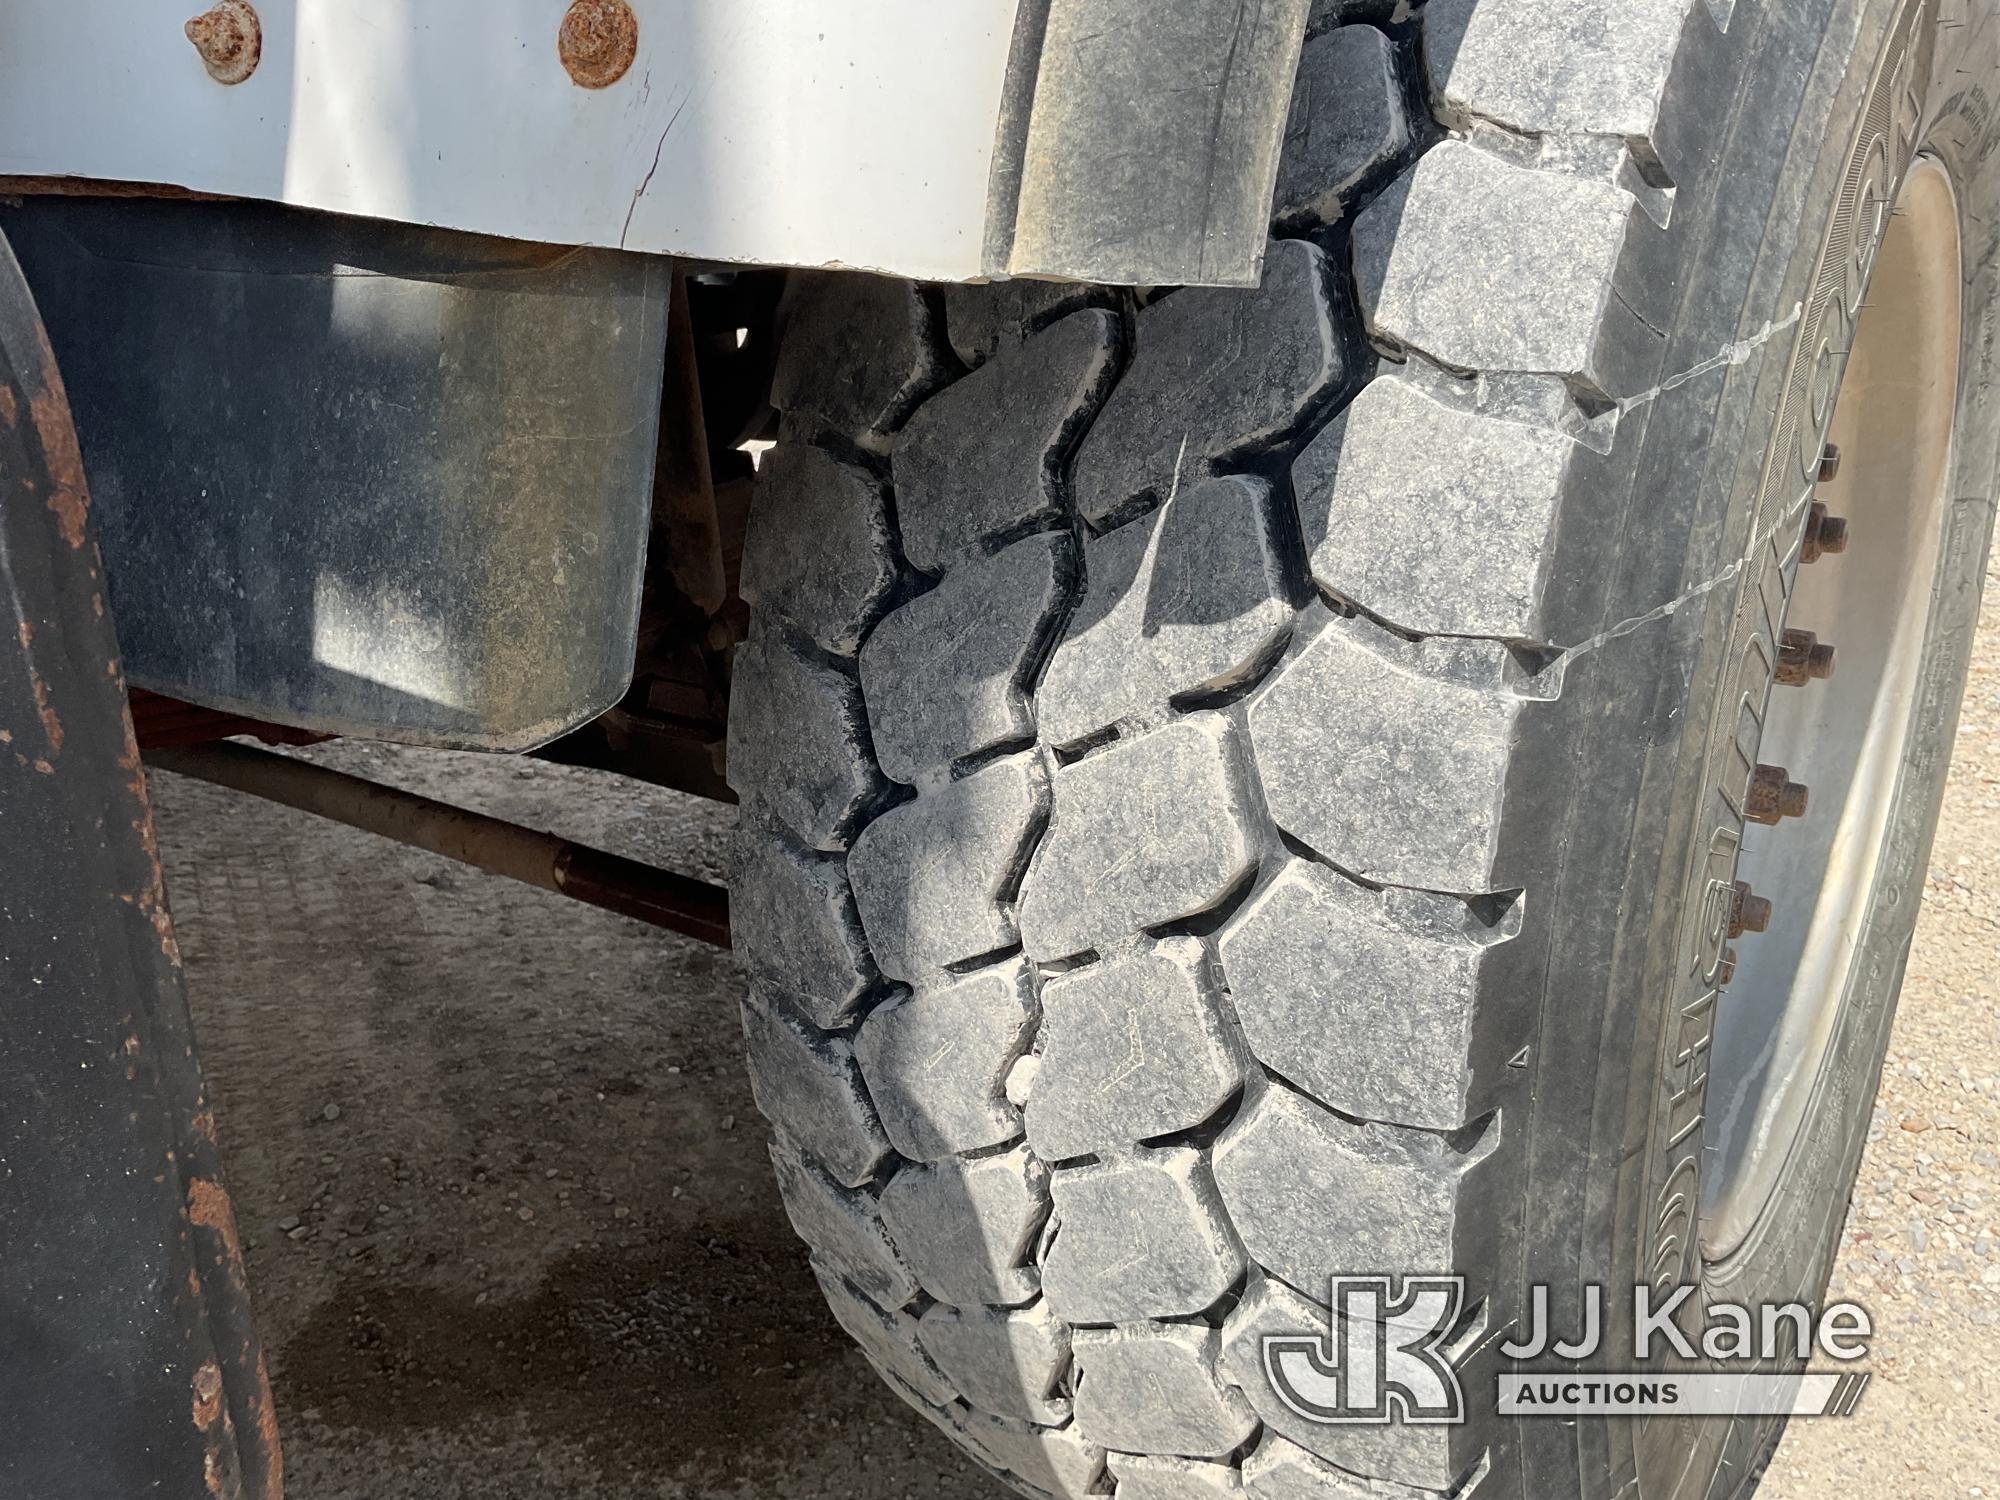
(229, 39)
(207, 1395)
(163, 926)
(597, 42)
(209, 1206)
(52, 728)
(222, 1405)
(154, 893)
(267, 1429)
(51, 376)
(152, 900)
(130, 762)
(70, 500)
(51, 724)
(10, 406)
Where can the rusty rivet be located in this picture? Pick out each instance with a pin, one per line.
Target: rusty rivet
(598, 40)
(1824, 534)
(1829, 463)
(1773, 795)
(1750, 912)
(229, 38)
(1801, 658)
(1726, 970)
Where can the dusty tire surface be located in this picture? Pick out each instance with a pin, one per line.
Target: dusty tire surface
(1235, 783)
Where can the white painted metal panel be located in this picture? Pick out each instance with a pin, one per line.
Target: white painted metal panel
(797, 132)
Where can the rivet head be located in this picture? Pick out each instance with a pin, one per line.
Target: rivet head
(1802, 659)
(1829, 463)
(229, 39)
(1750, 912)
(597, 42)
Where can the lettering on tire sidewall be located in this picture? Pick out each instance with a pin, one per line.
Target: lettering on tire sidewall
(1882, 150)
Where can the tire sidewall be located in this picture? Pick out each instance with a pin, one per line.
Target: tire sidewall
(1652, 1192)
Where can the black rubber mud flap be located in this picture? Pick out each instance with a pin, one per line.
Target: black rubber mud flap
(129, 1364)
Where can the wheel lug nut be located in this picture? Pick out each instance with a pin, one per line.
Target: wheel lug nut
(1726, 969)
(1750, 911)
(1829, 463)
(1773, 795)
(1801, 657)
(1824, 533)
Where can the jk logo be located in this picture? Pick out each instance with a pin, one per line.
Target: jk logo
(1382, 1357)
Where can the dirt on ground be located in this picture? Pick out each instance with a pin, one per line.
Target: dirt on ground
(504, 1197)
(512, 1232)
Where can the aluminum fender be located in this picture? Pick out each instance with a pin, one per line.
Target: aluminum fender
(1108, 140)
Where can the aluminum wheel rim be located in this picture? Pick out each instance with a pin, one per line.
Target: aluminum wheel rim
(1844, 737)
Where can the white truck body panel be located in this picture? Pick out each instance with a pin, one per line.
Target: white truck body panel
(781, 132)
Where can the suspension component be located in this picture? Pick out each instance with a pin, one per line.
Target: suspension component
(664, 898)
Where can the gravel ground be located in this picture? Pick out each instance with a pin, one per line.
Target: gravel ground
(503, 1194)
(512, 1233)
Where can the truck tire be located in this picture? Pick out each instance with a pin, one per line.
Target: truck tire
(1241, 787)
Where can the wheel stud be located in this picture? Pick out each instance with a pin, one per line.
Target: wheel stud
(1773, 795)
(1824, 534)
(1829, 463)
(1750, 911)
(1801, 658)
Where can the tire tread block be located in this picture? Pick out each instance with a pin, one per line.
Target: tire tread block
(1186, 599)
(1140, 1236)
(1147, 831)
(936, 1061)
(1214, 372)
(1131, 1048)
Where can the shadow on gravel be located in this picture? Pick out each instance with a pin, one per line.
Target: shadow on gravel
(688, 1353)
